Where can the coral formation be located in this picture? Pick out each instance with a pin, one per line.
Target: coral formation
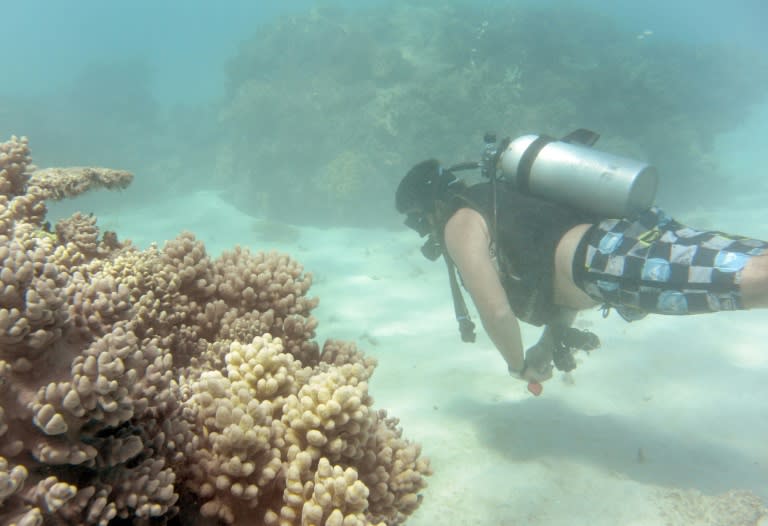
(60, 183)
(148, 385)
(341, 180)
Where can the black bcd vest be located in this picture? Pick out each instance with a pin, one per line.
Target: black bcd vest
(529, 229)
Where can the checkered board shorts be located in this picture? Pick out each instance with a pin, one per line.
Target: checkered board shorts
(655, 264)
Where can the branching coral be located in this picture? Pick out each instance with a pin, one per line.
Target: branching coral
(131, 381)
(272, 432)
(60, 183)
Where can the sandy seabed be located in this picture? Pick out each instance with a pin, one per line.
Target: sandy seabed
(665, 424)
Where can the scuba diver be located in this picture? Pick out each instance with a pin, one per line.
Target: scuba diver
(563, 228)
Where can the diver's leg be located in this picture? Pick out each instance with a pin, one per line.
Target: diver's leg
(754, 283)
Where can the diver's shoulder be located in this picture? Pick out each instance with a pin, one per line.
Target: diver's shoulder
(465, 222)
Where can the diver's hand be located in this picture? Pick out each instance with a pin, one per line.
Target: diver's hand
(538, 362)
(575, 339)
(537, 367)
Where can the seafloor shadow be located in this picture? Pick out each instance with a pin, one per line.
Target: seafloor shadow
(547, 428)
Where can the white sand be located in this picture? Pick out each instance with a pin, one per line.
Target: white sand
(665, 407)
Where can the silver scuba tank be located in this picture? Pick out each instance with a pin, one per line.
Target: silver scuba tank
(577, 175)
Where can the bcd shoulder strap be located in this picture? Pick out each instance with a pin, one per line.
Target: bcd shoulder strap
(466, 325)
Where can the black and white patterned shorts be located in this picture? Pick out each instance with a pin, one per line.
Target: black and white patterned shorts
(653, 264)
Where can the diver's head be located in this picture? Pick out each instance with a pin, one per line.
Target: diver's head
(419, 194)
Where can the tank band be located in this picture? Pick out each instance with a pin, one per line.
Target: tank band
(526, 161)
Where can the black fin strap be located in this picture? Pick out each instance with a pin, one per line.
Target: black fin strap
(466, 325)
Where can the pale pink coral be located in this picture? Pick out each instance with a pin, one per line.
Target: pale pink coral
(135, 380)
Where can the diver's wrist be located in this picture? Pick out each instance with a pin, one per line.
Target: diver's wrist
(519, 372)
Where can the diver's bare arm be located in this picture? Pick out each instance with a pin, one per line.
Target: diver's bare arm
(466, 239)
(504, 331)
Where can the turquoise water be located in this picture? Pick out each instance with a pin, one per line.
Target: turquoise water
(188, 44)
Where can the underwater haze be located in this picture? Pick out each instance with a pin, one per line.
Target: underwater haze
(242, 98)
(265, 142)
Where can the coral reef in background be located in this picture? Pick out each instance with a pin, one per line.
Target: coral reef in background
(401, 82)
(163, 385)
(341, 182)
(398, 82)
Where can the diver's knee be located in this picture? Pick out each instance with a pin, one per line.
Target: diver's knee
(754, 282)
